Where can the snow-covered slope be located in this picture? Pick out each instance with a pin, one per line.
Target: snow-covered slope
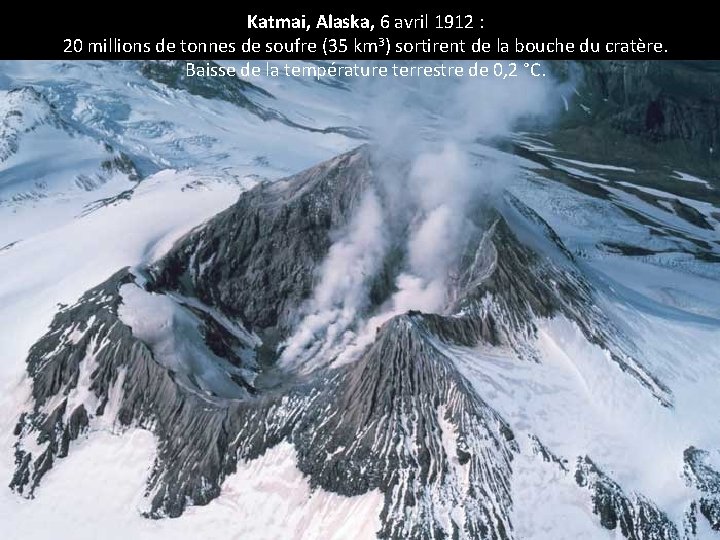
(75, 135)
(44, 159)
(501, 340)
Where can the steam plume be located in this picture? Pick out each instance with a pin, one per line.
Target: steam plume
(423, 209)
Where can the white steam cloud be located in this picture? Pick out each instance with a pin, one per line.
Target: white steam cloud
(341, 295)
(441, 182)
(436, 126)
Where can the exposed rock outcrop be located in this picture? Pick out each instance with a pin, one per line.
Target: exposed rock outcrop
(701, 475)
(633, 515)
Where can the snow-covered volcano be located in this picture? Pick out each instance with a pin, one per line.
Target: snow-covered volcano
(262, 328)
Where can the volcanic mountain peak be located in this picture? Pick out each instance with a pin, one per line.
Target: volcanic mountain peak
(176, 349)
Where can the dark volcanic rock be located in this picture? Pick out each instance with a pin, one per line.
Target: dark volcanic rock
(690, 214)
(702, 476)
(636, 517)
(386, 432)
(376, 424)
(256, 261)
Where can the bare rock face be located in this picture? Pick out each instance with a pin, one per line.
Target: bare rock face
(385, 421)
(634, 516)
(701, 475)
(405, 421)
(400, 419)
(256, 261)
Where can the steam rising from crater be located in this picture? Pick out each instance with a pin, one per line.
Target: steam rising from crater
(431, 172)
(340, 296)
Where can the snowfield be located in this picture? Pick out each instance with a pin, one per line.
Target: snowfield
(98, 492)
